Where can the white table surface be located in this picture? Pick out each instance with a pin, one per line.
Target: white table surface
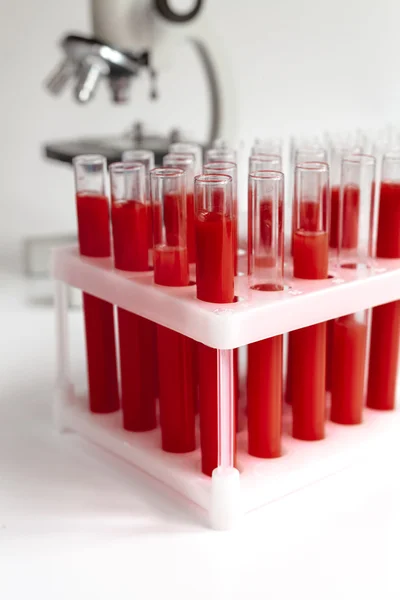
(76, 523)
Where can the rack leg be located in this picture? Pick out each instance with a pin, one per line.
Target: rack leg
(63, 383)
(225, 486)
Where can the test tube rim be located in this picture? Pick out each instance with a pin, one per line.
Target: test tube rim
(123, 166)
(187, 159)
(314, 166)
(392, 155)
(88, 159)
(360, 158)
(170, 172)
(213, 178)
(141, 154)
(220, 165)
(265, 174)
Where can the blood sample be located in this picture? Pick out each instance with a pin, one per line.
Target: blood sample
(264, 377)
(146, 157)
(94, 241)
(130, 213)
(215, 283)
(175, 351)
(338, 150)
(385, 325)
(228, 168)
(349, 333)
(186, 163)
(307, 346)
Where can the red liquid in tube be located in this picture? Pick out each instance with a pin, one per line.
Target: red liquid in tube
(94, 241)
(215, 283)
(215, 269)
(191, 234)
(385, 326)
(388, 240)
(310, 255)
(175, 359)
(137, 336)
(307, 346)
(130, 232)
(137, 343)
(348, 368)
(264, 397)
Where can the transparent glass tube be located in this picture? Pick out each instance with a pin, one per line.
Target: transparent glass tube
(168, 196)
(214, 213)
(221, 155)
(265, 162)
(265, 232)
(267, 146)
(192, 148)
(146, 157)
(310, 154)
(357, 191)
(130, 216)
(310, 222)
(186, 162)
(229, 168)
(92, 205)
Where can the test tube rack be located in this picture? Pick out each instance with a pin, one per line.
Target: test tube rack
(230, 492)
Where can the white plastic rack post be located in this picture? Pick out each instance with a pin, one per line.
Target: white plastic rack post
(256, 316)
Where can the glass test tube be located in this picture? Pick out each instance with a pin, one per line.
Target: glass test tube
(130, 215)
(192, 148)
(228, 168)
(168, 195)
(265, 371)
(356, 214)
(221, 155)
(307, 346)
(175, 351)
(349, 333)
(385, 324)
(310, 239)
(267, 146)
(186, 162)
(94, 241)
(146, 157)
(215, 283)
(264, 161)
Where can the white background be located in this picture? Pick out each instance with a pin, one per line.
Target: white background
(74, 525)
(299, 65)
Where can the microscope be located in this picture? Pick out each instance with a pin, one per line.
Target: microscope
(131, 36)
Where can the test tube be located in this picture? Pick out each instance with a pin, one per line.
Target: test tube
(265, 161)
(192, 148)
(307, 346)
(94, 241)
(267, 146)
(356, 210)
(385, 324)
(168, 195)
(130, 213)
(349, 335)
(264, 371)
(215, 283)
(221, 155)
(336, 154)
(186, 162)
(228, 168)
(146, 157)
(175, 351)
